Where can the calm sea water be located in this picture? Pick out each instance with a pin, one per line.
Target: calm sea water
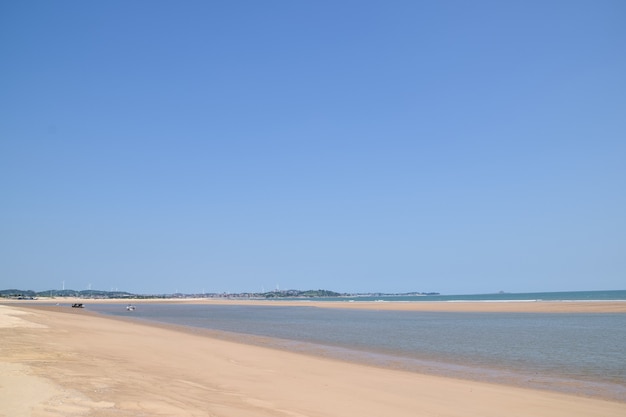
(579, 353)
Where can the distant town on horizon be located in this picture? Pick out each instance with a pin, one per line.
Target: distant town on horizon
(30, 294)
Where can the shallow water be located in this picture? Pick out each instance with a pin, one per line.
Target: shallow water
(579, 353)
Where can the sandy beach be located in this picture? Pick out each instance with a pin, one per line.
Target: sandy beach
(457, 306)
(58, 361)
(461, 306)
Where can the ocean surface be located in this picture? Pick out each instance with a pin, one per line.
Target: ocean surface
(584, 354)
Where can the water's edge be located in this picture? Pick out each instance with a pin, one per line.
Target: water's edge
(491, 373)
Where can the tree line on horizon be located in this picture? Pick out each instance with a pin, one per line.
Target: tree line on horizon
(30, 294)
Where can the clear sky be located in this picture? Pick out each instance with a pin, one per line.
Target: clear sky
(395, 146)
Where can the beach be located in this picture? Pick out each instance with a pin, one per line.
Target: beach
(596, 306)
(59, 361)
(459, 306)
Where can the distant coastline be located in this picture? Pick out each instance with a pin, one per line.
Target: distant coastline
(559, 302)
(276, 294)
(324, 295)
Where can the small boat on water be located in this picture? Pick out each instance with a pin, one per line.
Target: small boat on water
(130, 307)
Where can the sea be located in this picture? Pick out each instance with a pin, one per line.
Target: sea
(577, 353)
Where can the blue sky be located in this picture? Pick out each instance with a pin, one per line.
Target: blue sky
(450, 146)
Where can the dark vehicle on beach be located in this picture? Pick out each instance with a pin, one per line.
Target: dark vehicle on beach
(77, 305)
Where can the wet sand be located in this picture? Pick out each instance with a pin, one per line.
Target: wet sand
(441, 306)
(59, 361)
(456, 306)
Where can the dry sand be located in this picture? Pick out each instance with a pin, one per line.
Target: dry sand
(456, 306)
(58, 361)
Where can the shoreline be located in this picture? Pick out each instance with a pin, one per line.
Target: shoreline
(513, 306)
(93, 363)
(582, 387)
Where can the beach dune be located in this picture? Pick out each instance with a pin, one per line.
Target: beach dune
(56, 361)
